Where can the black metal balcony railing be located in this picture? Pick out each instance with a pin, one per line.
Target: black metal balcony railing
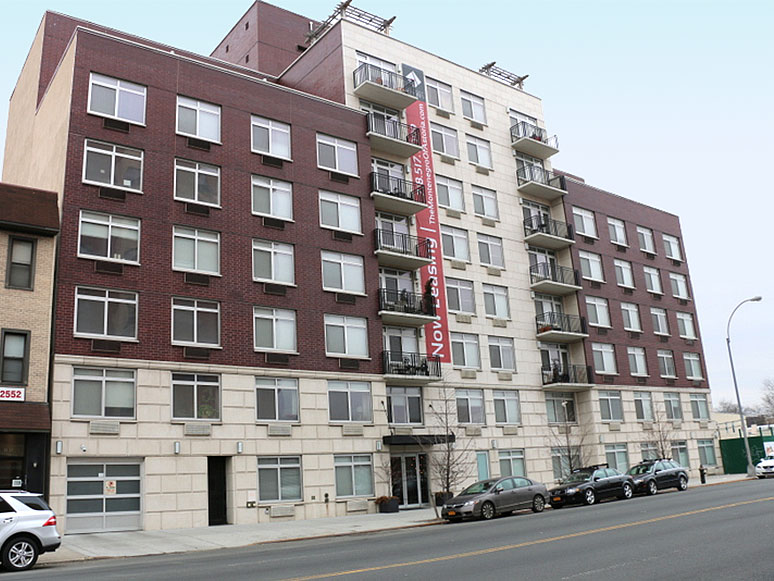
(524, 129)
(560, 274)
(397, 187)
(403, 363)
(567, 374)
(560, 322)
(393, 128)
(389, 79)
(541, 224)
(403, 301)
(534, 173)
(402, 243)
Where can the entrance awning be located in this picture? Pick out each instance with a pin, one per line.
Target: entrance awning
(24, 417)
(418, 439)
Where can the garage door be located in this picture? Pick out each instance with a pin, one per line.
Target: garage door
(103, 496)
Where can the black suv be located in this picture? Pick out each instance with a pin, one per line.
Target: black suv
(590, 484)
(651, 476)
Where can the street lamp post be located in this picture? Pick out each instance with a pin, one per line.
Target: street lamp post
(750, 469)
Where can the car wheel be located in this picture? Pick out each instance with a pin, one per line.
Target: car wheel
(627, 491)
(20, 554)
(538, 503)
(652, 487)
(682, 483)
(487, 511)
(589, 497)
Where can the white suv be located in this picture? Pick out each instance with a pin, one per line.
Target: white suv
(27, 529)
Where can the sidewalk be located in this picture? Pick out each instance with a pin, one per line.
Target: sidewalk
(140, 543)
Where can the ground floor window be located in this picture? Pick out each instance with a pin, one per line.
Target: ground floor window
(707, 453)
(649, 451)
(103, 496)
(564, 460)
(512, 463)
(482, 464)
(680, 453)
(617, 456)
(279, 478)
(354, 475)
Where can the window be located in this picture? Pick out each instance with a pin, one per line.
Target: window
(584, 222)
(275, 329)
(273, 198)
(279, 478)
(490, 251)
(444, 140)
(645, 238)
(666, 363)
(198, 119)
(496, 301)
(699, 407)
(649, 451)
(562, 459)
(271, 137)
(598, 312)
(692, 366)
(652, 280)
(404, 405)
(343, 272)
(470, 406)
(507, 407)
(685, 326)
(631, 317)
(643, 406)
(501, 354)
(454, 243)
(349, 401)
(276, 399)
(439, 94)
(459, 296)
(485, 203)
(707, 452)
(623, 273)
(638, 366)
(617, 231)
(196, 250)
(112, 165)
(660, 323)
(512, 463)
(197, 182)
(610, 406)
(336, 154)
(346, 336)
(14, 356)
(674, 410)
(672, 247)
(560, 407)
(591, 266)
(465, 350)
(340, 212)
(273, 262)
(479, 151)
(117, 99)
(354, 475)
(473, 107)
(103, 393)
(108, 237)
(195, 322)
(617, 456)
(20, 271)
(679, 285)
(680, 453)
(195, 396)
(604, 358)
(482, 464)
(449, 193)
(105, 314)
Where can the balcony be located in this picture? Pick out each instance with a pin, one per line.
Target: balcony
(384, 87)
(540, 183)
(403, 368)
(401, 251)
(560, 328)
(569, 377)
(393, 137)
(547, 233)
(533, 140)
(396, 195)
(555, 280)
(405, 308)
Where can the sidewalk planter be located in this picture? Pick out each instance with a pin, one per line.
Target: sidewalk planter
(387, 503)
(442, 497)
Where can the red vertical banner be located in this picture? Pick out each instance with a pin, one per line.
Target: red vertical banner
(428, 227)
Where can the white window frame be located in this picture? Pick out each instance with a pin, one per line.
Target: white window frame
(680, 453)
(499, 301)
(672, 247)
(704, 445)
(278, 386)
(199, 236)
(197, 169)
(459, 243)
(487, 200)
(617, 456)
(699, 406)
(494, 247)
(653, 280)
(638, 364)
(591, 266)
(617, 230)
(449, 140)
(195, 306)
(473, 400)
(404, 394)
(692, 362)
(585, 222)
(666, 363)
(476, 105)
(277, 189)
(111, 222)
(348, 324)
(658, 317)
(340, 200)
(276, 316)
(508, 411)
(673, 405)
(512, 462)
(199, 107)
(643, 406)
(630, 312)
(199, 380)
(624, 274)
(338, 145)
(685, 325)
(349, 266)
(598, 312)
(278, 465)
(611, 406)
(350, 388)
(120, 87)
(275, 130)
(505, 349)
(353, 461)
(646, 240)
(106, 299)
(470, 350)
(604, 358)
(479, 151)
(455, 199)
(555, 411)
(444, 93)
(106, 378)
(679, 284)
(277, 251)
(466, 296)
(113, 151)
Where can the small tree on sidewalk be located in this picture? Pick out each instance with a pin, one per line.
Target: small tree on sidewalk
(662, 434)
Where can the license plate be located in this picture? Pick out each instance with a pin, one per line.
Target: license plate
(452, 513)
(557, 498)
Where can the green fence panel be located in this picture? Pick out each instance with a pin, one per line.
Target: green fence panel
(734, 457)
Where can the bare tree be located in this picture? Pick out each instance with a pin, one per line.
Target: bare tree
(725, 406)
(572, 442)
(662, 434)
(767, 399)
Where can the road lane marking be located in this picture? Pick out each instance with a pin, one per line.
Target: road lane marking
(528, 543)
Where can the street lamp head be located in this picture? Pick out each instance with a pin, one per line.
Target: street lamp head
(756, 299)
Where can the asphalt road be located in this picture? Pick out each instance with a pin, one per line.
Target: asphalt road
(716, 532)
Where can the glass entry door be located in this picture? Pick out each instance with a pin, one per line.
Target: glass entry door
(409, 479)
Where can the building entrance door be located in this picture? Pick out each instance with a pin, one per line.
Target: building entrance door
(216, 489)
(409, 479)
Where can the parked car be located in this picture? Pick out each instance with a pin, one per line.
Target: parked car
(591, 484)
(651, 476)
(765, 467)
(488, 498)
(27, 529)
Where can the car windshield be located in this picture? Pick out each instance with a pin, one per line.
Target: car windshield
(582, 476)
(478, 487)
(639, 469)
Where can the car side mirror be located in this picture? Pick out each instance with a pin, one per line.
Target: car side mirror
(498, 490)
(656, 471)
(597, 479)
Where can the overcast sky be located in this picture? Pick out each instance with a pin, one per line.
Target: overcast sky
(668, 102)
